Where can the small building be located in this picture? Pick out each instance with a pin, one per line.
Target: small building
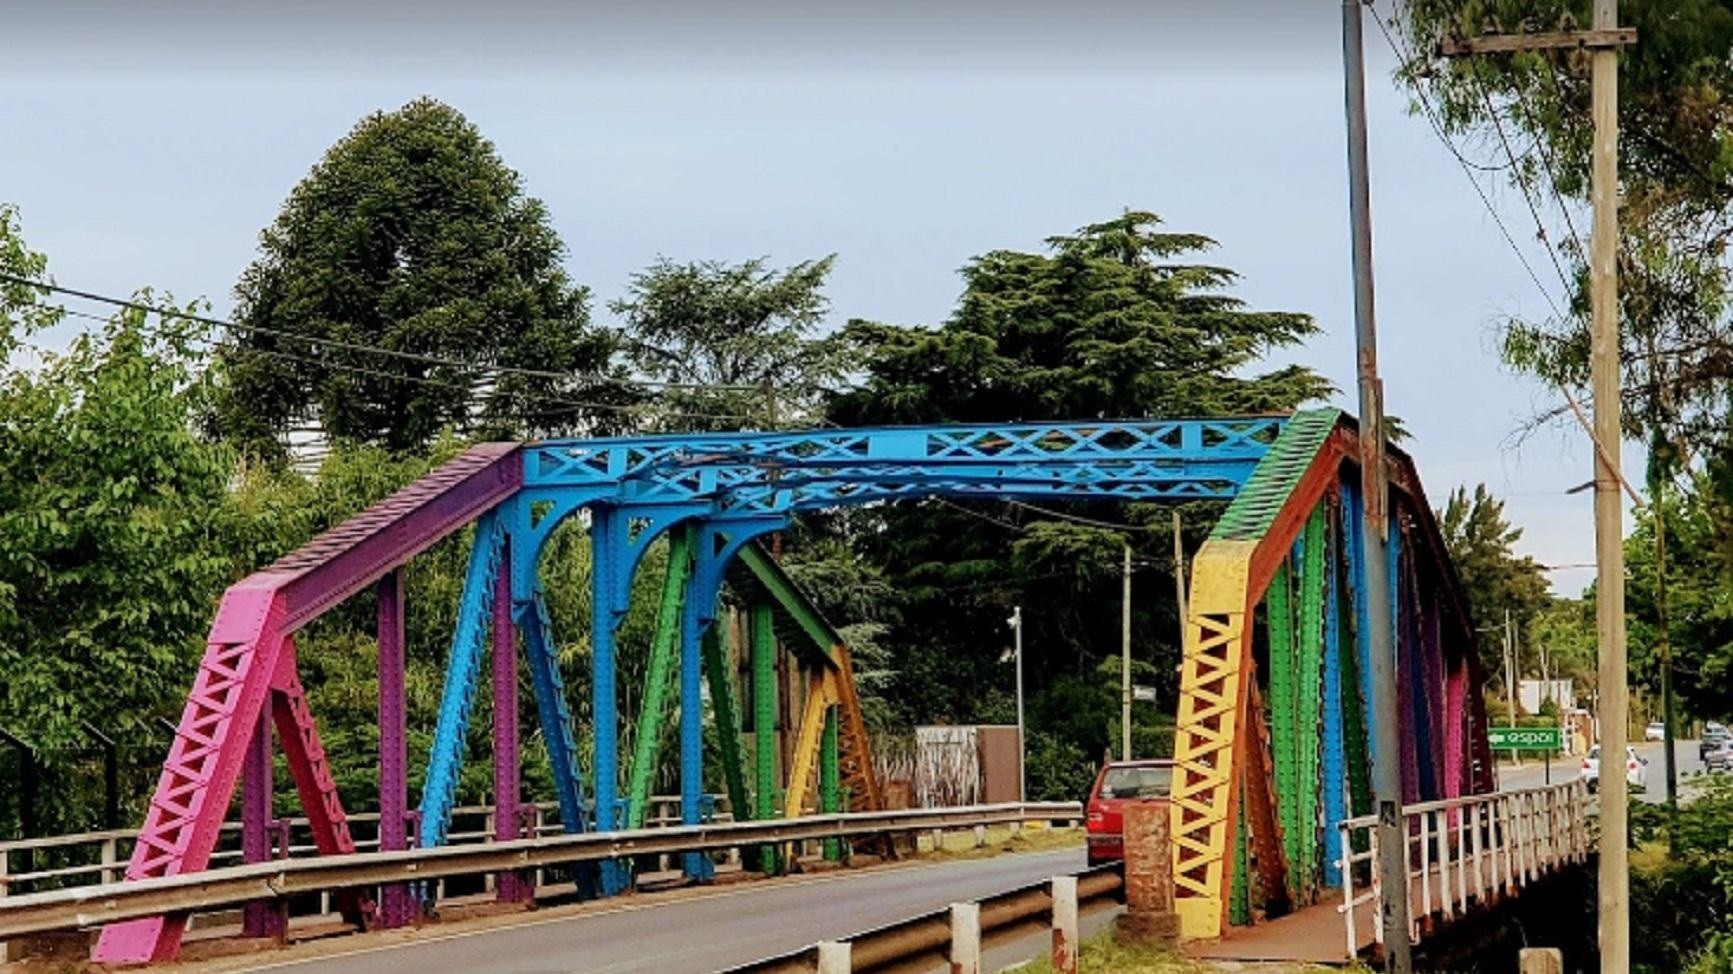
(1530, 694)
(968, 765)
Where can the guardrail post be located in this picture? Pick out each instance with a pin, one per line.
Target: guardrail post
(1541, 960)
(10, 950)
(1065, 925)
(110, 859)
(835, 957)
(965, 938)
(1149, 918)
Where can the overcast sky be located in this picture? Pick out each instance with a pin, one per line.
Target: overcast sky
(147, 144)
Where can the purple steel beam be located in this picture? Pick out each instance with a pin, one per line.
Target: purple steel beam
(359, 552)
(510, 886)
(263, 918)
(396, 906)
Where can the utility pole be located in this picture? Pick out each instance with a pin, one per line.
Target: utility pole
(1179, 574)
(1658, 504)
(1509, 671)
(1615, 877)
(1386, 767)
(1022, 747)
(1125, 663)
(1604, 38)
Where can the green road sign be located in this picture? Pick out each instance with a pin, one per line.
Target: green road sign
(1525, 738)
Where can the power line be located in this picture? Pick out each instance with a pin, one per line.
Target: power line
(318, 342)
(571, 405)
(1427, 109)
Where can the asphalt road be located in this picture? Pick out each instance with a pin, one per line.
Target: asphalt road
(701, 933)
(1532, 774)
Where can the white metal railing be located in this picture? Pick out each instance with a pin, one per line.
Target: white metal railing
(1464, 852)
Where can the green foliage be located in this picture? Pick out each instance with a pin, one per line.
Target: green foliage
(413, 236)
(1108, 324)
(737, 339)
(1495, 581)
(106, 580)
(1675, 182)
(1699, 600)
(1683, 899)
(1117, 320)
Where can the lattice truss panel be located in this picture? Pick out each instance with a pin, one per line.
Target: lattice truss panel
(722, 490)
(1270, 755)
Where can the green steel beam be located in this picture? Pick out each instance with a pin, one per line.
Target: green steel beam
(1279, 617)
(830, 778)
(662, 649)
(763, 643)
(794, 603)
(727, 724)
(1252, 512)
(1239, 894)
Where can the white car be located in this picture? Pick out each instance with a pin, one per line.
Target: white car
(1656, 731)
(1636, 769)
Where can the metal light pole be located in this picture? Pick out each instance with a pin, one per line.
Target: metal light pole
(1125, 663)
(1386, 768)
(1016, 621)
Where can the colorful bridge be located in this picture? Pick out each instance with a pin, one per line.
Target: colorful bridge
(1272, 742)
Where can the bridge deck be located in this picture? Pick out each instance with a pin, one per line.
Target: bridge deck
(1314, 935)
(1318, 934)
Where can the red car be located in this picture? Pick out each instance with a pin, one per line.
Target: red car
(1118, 784)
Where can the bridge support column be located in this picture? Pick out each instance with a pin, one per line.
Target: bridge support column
(763, 639)
(263, 918)
(507, 822)
(396, 905)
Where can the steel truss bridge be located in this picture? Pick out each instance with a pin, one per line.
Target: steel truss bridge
(1273, 731)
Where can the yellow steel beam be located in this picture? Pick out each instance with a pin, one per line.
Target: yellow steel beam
(821, 694)
(1212, 705)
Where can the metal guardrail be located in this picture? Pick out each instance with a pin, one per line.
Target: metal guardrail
(1467, 851)
(89, 906)
(1002, 915)
(106, 845)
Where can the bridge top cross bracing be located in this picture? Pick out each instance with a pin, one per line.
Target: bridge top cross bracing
(780, 473)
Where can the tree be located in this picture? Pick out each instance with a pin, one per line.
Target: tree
(112, 516)
(1699, 603)
(1481, 544)
(1117, 320)
(1676, 181)
(1106, 325)
(735, 342)
(413, 237)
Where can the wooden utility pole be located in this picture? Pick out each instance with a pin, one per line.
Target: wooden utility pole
(1615, 878)
(1604, 38)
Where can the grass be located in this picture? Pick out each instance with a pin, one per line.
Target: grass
(1101, 955)
(1001, 839)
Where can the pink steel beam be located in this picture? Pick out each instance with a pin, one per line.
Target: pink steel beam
(312, 773)
(203, 765)
(263, 918)
(241, 659)
(396, 906)
(358, 552)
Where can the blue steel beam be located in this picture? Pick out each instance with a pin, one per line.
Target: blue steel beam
(717, 542)
(1093, 458)
(463, 669)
